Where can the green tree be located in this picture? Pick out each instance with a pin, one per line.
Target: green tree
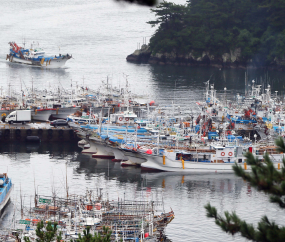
(105, 236)
(46, 233)
(257, 27)
(264, 177)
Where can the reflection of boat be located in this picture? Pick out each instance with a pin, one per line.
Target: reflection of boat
(226, 183)
(5, 190)
(35, 57)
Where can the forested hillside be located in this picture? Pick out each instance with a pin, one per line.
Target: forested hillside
(255, 29)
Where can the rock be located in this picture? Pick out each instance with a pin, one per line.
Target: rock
(140, 56)
(233, 59)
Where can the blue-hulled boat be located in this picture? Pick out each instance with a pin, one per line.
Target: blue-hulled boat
(6, 188)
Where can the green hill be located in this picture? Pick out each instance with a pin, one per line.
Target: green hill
(219, 32)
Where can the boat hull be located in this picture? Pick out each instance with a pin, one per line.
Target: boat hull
(6, 200)
(41, 115)
(62, 113)
(54, 63)
(155, 162)
(134, 157)
(99, 150)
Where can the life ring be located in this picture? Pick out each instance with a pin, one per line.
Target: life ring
(121, 118)
(127, 119)
(223, 154)
(230, 153)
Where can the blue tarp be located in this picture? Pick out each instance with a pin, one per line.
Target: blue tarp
(197, 128)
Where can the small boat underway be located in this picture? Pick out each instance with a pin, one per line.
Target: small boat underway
(35, 57)
(6, 187)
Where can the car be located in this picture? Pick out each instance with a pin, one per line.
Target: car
(59, 122)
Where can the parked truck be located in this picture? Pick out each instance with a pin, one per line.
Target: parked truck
(19, 116)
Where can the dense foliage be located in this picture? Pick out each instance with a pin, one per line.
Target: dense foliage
(264, 177)
(104, 236)
(49, 233)
(46, 233)
(257, 27)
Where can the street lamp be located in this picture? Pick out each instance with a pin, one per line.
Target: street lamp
(255, 138)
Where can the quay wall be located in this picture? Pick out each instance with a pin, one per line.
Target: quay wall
(8, 133)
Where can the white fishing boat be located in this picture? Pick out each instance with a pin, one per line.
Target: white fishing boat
(217, 159)
(35, 57)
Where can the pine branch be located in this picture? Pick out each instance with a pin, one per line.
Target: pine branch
(266, 231)
(278, 200)
(280, 145)
(264, 176)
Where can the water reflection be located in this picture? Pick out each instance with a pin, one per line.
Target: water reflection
(48, 165)
(17, 73)
(167, 77)
(55, 149)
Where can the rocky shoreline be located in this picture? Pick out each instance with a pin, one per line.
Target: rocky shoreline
(227, 60)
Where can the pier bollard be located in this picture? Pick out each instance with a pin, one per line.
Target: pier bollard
(183, 164)
(278, 166)
(163, 159)
(245, 166)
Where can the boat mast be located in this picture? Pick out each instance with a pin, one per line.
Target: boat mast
(35, 191)
(66, 181)
(21, 198)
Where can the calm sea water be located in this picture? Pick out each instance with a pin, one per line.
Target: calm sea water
(100, 35)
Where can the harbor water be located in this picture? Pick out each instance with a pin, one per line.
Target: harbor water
(100, 35)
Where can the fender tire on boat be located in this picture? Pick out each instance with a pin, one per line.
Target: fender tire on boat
(40, 131)
(29, 132)
(50, 131)
(18, 132)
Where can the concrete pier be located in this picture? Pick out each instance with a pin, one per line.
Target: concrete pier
(46, 133)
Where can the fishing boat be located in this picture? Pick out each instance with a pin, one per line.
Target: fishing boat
(35, 57)
(217, 159)
(6, 188)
